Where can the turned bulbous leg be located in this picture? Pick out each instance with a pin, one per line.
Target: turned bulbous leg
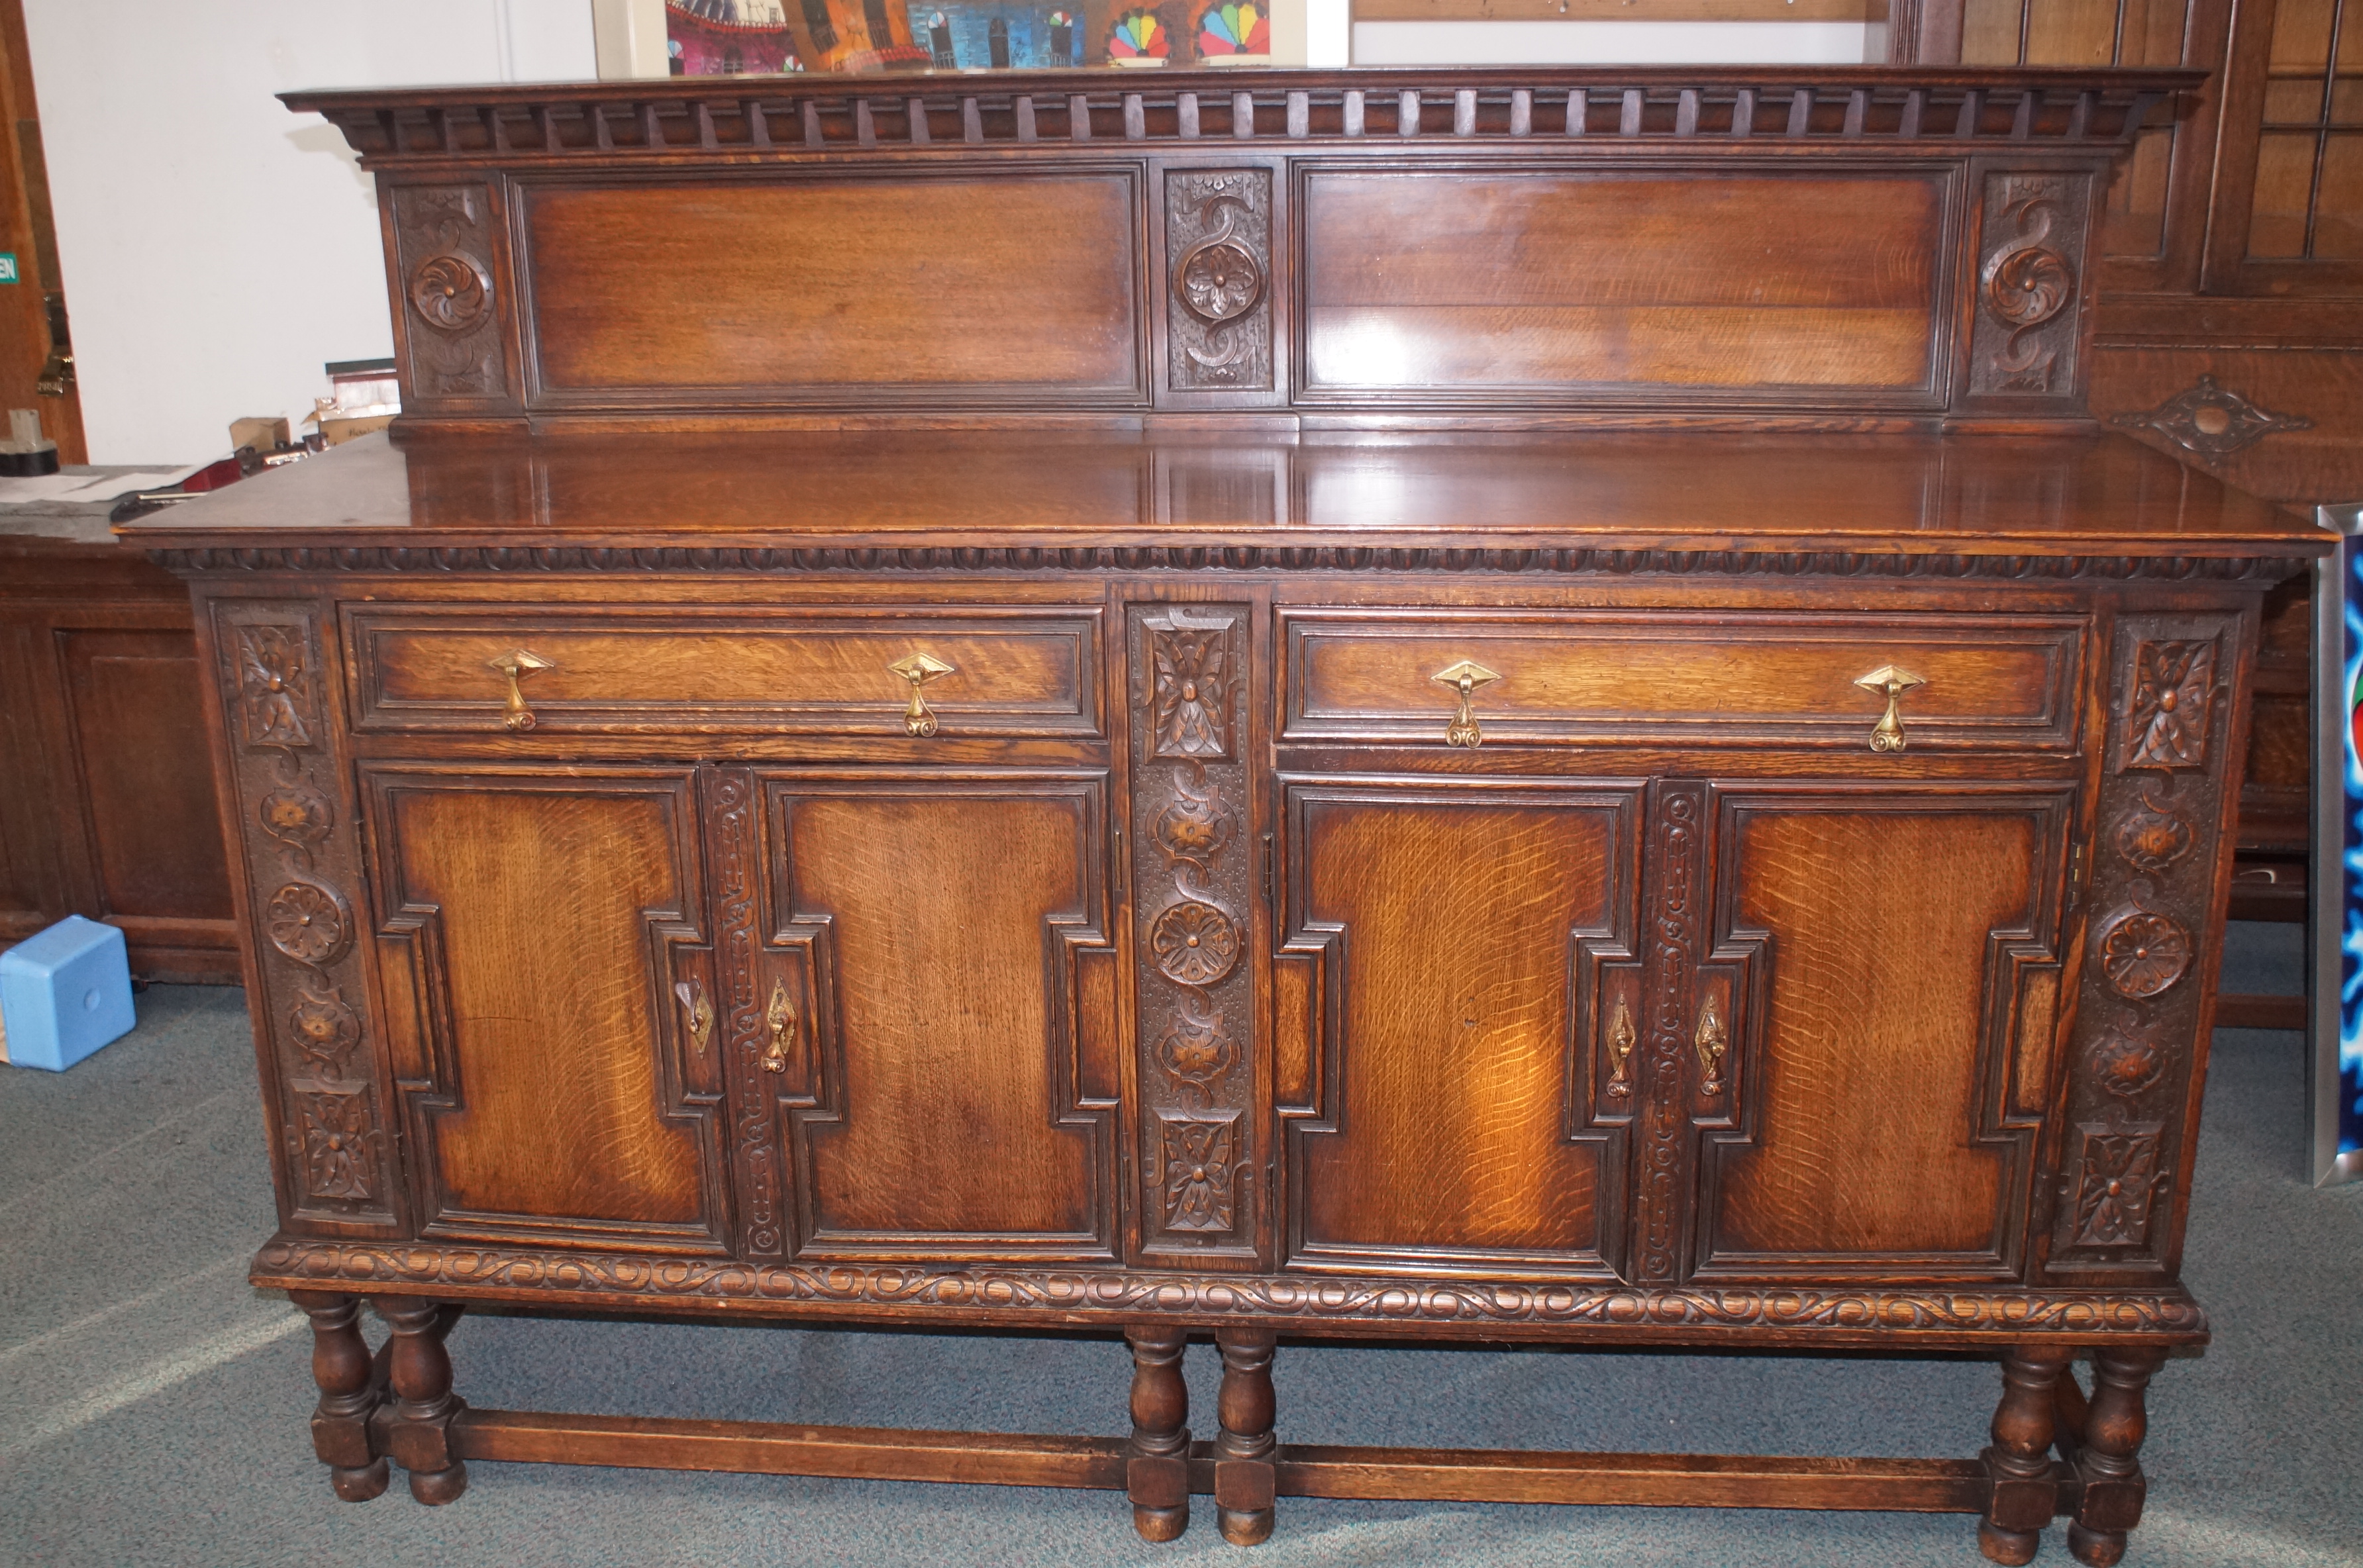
(349, 1395)
(424, 1404)
(2106, 1461)
(1156, 1467)
(2025, 1493)
(1245, 1450)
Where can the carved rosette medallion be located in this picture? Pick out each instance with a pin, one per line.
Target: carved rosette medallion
(2212, 422)
(2153, 838)
(2025, 336)
(2160, 820)
(1218, 319)
(1192, 882)
(296, 863)
(444, 239)
(2143, 954)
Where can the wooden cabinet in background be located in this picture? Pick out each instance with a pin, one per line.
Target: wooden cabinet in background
(107, 802)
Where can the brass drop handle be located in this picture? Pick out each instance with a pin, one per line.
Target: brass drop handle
(918, 668)
(515, 664)
(779, 1017)
(1464, 678)
(1620, 1052)
(1890, 682)
(700, 1011)
(1713, 1044)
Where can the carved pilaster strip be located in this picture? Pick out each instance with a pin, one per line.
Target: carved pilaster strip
(1192, 878)
(300, 857)
(1218, 308)
(1674, 923)
(2160, 813)
(754, 1137)
(445, 242)
(2028, 288)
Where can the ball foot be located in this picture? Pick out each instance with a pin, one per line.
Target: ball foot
(1244, 1526)
(2096, 1547)
(359, 1482)
(1161, 1524)
(434, 1487)
(2013, 1547)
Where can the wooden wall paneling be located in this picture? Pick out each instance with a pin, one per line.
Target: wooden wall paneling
(2287, 218)
(557, 1110)
(958, 1105)
(1475, 943)
(1868, 1123)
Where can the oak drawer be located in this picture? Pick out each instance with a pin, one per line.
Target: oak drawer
(810, 670)
(1661, 678)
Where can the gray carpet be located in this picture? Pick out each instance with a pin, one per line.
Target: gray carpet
(152, 1405)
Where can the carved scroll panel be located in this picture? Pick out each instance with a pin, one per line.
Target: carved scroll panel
(2028, 334)
(445, 239)
(2150, 901)
(1218, 225)
(301, 875)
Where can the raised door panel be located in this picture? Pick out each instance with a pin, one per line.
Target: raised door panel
(139, 746)
(1873, 1029)
(954, 1092)
(543, 942)
(1456, 995)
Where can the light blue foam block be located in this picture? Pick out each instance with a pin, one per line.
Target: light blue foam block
(64, 993)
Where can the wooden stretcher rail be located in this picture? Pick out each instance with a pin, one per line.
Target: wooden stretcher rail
(1300, 1470)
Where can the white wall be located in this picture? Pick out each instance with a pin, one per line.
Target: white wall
(216, 249)
(1608, 43)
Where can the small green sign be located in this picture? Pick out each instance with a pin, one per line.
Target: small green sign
(8, 265)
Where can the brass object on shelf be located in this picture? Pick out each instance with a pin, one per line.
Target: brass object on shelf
(516, 664)
(700, 1011)
(1464, 678)
(918, 668)
(779, 1017)
(1890, 682)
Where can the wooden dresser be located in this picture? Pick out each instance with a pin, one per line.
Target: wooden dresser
(1462, 706)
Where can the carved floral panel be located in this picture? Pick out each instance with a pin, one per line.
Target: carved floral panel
(445, 241)
(1218, 309)
(2023, 342)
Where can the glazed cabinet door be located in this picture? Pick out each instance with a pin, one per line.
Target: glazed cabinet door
(548, 974)
(1455, 1002)
(920, 995)
(1862, 1041)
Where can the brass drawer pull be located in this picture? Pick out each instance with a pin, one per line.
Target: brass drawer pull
(918, 668)
(1892, 682)
(515, 664)
(781, 1017)
(1464, 678)
(700, 1013)
(1711, 1044)
(1621, 1040)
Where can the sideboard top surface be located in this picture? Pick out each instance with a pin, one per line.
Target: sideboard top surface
(1049, 489)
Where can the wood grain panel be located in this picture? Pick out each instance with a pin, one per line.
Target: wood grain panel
(1866, 1130)
(2320, 464)
(1989, 680)
(1011, 675)
(1455, 1079)
(543, 897)
(1470, 282)
(939, 916)
(766, 290)
(139, 722)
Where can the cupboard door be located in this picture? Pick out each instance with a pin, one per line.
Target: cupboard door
(1872, 1029)
(940, 946)
(543, 955)
(1456, 996)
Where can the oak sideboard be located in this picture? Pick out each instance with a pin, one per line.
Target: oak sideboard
(1452, 706)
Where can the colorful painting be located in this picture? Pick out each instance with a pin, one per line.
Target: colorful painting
(733, 38)
(1232, 27)
(1139, 36)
